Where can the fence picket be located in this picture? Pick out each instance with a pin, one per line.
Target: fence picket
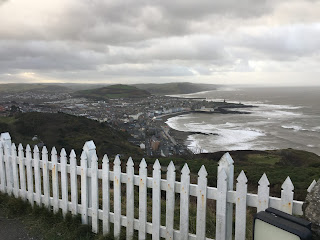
(95, 193)
(287, 196)
(8, 168)
(37, 179)
(142, 199)
(22, 171)
(130, 199)
(314, 182)
(156, 201)
(55, 186)
(201, 203)
(2, 170)
(84, 195)
(73, 183)
(117, 197)
(263, 193)
(241, 207)
(29, 174)
(64, 181)
(184, 202)
(105, 195)
(15, 174)
(221, 206)
(170, 200)
(226, 162)
(45, 173)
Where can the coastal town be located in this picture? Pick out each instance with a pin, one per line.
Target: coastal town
(142, 118)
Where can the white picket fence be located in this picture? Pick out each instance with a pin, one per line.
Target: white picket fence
(19, 167)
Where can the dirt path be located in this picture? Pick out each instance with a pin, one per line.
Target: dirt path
(13, 229)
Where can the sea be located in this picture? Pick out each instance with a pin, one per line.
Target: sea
(282, 117)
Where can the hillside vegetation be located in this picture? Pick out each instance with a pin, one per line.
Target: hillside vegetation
(67, 131)
(175, 88)
(21, 87)
(113, 91)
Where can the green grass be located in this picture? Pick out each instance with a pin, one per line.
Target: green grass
(113, 92)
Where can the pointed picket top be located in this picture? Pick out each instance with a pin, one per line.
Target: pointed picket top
(36, 149)
(54, 151)
(226, 160)
(185, 169)
(117, 161)
(171, 167)
(222, 174)
(44, 150)
(156, 165)
(63, 153)
(264, 181)
(73, 154)
(20, 147)
(28, 148)
(143, 163)
(287, 184)
(105, 159)
(314, 182)
(83, 156)
(130, 162)
(242, 177)
(203, 172)
(13, 146)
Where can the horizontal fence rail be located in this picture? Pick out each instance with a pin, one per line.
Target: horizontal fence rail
(58, 182)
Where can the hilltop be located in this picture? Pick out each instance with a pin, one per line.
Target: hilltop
(175, 88)
(68, 131)
(113, 91)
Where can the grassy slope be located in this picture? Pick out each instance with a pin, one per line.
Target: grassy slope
(114, 91)
(63, 130)
(175, 88)
(12, 87)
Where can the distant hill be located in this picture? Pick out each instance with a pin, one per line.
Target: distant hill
(113, 91)
(38, 87)
(175, 88)
(68, 131)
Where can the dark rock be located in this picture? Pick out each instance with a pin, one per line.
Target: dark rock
(312, 209)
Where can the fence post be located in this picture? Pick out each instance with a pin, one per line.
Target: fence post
(201, 203)
(95, 193)
(22, 171)
(37, 178)
(84, 188)
(117, 196)
(287, 196)
(7, 159)
(156, 200)
(55, 186)
(241, 207)
(226, 163)
(90, 149)
(170, 200)
(29, 174)
(2, 170)
(142, 199)
(73, 183)
(130, 199)
(184, 202)
(64, 181)
(263, 193)
(45, 172)
(105, 195)
(221, 208)
(15, 174)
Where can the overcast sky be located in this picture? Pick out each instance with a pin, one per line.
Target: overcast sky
(130, 41)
